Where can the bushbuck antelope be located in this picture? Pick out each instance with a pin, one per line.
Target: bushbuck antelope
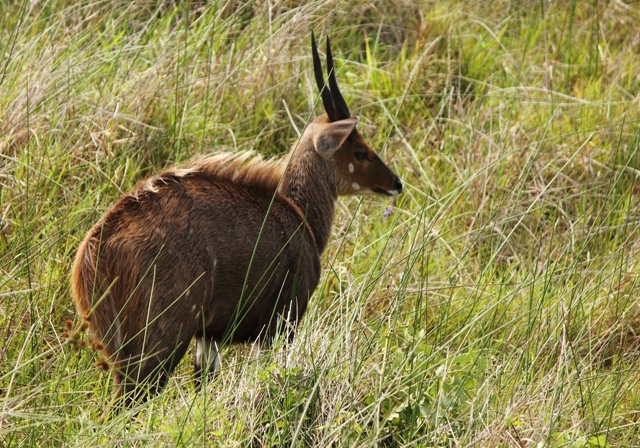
(225, 249)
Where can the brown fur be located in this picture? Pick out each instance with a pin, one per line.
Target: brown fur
(169, 260)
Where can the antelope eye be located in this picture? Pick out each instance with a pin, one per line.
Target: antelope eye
(361, 156)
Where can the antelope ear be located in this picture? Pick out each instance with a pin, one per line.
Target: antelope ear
(329, 137)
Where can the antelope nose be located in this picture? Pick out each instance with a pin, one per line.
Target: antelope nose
(398, 185)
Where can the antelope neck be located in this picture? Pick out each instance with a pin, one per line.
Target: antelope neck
(310, 183)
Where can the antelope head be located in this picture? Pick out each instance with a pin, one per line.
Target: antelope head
(359, 170)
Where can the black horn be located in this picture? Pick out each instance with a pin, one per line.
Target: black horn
(327, 99)
(338, 100)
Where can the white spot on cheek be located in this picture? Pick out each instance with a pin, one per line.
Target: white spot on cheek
(351, 167)
(355, 186)
(193, 308)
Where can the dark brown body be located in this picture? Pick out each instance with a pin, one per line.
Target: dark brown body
(164, 266)
(226, 249)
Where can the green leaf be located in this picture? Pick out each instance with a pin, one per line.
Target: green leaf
(515, 422)
(598, 441)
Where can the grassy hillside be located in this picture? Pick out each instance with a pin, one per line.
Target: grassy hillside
(498, 304)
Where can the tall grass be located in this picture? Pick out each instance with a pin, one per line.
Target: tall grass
(497, 305)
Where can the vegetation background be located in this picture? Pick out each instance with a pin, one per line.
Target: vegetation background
(497, 305)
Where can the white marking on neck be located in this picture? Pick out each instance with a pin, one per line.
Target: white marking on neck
(351, 169)
(355, 186)
(393, 192)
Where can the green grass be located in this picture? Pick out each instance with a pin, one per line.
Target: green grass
(496, 307)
